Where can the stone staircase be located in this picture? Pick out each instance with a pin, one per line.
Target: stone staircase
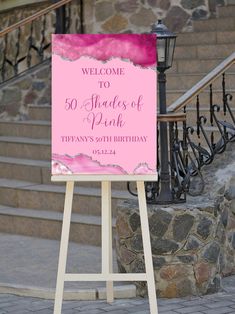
(196, 54)
(30, 204)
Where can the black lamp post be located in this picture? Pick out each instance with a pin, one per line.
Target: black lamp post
(165, 52)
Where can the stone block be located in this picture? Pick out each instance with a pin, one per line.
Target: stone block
(171, 272)
(192, 4)
(199, 14)
(204, 227)
(103, 10)
(164, 246)
(25, 83)
(230, 189)
(211, 252)
(38, 85)
(202, 272)
(136, 243)
(161, 4)
(158, 262)
(144, 17)
(134, 221)
(159, 222)
(11, 96)
(126, 255)
(181, 226)
(176, 18)
(115, 24)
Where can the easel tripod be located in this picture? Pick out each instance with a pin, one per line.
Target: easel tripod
(107, 274)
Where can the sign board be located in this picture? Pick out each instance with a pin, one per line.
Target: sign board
(104, 104)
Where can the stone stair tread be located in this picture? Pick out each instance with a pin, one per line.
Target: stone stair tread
(203, 108)
(206, 128)
(201, 74)
(24, 140)
(225, 11)
(172, 91)
(200, 45)
(50, 215)
(211, 23)
(28, 122)
(8, 183)
(25, 162)
(206, 37)
(39, 106)
(204, 51)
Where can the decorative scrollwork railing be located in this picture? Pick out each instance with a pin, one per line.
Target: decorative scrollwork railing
(28, 42)
(197, 132)
(206, 132)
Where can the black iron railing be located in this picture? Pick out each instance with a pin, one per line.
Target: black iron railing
(201, 123)
(28, 42)
(209, 127)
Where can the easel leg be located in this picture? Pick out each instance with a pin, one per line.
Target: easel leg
(64, 247)
(107, 250)
(147, 248)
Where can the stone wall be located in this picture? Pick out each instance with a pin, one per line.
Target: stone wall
(33, 87)
(193, 244)
(137, 15)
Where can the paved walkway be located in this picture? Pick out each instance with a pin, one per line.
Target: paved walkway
(220, 303)
(27, 264)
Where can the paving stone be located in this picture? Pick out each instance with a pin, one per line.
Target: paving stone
(45, 311)
(191, 309)
(22, 311)
(219, 304)
(172, 307)
(94, 311)
(222, 310)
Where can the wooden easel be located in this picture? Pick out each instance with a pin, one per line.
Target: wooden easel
(107, 260)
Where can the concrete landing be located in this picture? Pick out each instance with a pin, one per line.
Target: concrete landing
(28, 267)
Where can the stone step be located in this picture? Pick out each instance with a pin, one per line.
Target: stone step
(173, 95)
(194, 66)
(24, 147)
(47, 224)
(31, 128)
(187, 81)
(204, 51)
(221, 24)
(39, 171)
(37, 112)
(205, 38)
(226, 11)
(25, 194)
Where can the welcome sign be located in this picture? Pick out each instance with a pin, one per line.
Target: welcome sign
(104, 104)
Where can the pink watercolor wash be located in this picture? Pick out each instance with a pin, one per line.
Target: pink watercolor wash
(97, 130)
(82, 164)
(138, 48)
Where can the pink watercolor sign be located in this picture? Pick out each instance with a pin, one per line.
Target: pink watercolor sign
(104, 104)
